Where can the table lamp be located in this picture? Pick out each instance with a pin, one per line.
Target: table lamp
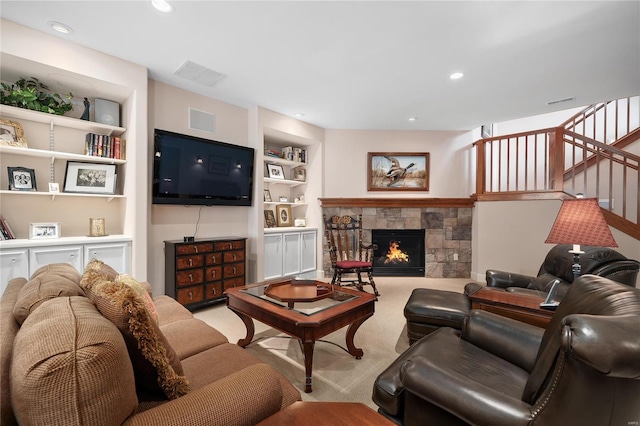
(580, 222)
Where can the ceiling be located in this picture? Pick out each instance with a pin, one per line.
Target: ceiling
(372, 64)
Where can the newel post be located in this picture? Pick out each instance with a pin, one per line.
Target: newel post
(556, 159)
(480, 167)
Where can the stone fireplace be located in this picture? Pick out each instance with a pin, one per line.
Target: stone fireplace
(398, 252)
(447, 228)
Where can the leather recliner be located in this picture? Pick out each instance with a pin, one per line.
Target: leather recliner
(428, 309)
(583, 369)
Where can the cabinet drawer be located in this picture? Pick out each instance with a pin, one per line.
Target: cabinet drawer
(190, 295)
(234, 282)
(233, 270)
(214, 290)
(213, 273)
(190, 277)
(188, 262)
(194, 248)
(233, 256)
(229, 245)
(213, 258)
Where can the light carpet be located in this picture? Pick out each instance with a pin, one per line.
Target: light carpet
(337, 376)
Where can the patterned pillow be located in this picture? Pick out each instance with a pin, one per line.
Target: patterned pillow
(156, 366)
(141, 292)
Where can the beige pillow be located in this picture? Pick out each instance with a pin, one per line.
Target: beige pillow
(70, 366)
(48, 282)
(141, 291)
(156, 366)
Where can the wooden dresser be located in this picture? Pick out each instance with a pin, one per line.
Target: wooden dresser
(198, 272)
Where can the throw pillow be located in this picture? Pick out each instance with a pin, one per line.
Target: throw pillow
(157, 368)
(141, 292)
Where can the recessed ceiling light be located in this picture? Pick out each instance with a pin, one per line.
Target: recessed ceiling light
(413, 118)
(557, 101)
(60, 27)
(162, 5)
(456, 76)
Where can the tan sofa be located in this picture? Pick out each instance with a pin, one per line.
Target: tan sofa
(95, 349)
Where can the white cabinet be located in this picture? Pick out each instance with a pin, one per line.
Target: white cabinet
(40, 256)
(21, 258)
(14, 263)
(290, 252)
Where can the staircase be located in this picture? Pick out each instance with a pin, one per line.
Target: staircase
(596, 153)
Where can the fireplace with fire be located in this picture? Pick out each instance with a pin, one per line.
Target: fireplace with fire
(399, 252)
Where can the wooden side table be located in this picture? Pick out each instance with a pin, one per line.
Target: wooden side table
(521, 307)
(308, 413)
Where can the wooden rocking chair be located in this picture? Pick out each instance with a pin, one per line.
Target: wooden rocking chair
(347, 252)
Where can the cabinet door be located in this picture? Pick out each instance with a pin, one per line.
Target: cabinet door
(272, 256)
(308, 251)
(59, 254)
(291, 253)
(116, 255)
(13, 264)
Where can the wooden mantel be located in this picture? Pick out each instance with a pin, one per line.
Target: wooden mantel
(397, 202)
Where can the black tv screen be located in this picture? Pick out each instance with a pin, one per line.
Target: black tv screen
(190, 170)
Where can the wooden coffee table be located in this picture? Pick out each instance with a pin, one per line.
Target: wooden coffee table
(308, 413)
(306, 321)
(521, 307)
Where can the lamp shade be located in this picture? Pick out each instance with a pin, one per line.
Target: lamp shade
(580, 222)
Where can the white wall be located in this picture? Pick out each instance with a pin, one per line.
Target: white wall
(168, 110)
(345, 166)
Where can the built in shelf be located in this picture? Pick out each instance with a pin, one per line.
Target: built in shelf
(275, 203)
(57, 155)
(291, 183)
(62, 241)
(53, 195)
(59, 120)
(277, 160)
(284, 229)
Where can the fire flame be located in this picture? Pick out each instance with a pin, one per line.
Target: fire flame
(395, 255)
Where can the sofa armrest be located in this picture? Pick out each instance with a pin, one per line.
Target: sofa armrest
(584, 336)
(622, 271)
(464, 398)
(242, 398)
(504, 279)
(527, 291)
(511, 340)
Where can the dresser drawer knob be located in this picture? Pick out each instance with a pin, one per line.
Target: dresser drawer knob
(230, 246)
(196, 249)
(234, 269)
(213, 275)
(191, 277)
(190, 295)
(190, 262)
(234, 256)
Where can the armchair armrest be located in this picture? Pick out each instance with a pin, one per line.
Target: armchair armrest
(511, 340)
(244, 397)
(461, 397)
(586, 336)
(504, 279)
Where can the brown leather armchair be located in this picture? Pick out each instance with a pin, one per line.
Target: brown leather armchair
(584, 369)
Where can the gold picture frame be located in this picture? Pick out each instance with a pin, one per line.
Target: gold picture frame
(12, 133)
(269, 219)
(283, 215)
(398, 171)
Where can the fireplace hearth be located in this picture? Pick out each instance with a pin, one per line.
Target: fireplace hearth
(399, 252)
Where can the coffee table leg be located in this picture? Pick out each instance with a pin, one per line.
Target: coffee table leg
(248, 322)
(308, 363)
(351, 332)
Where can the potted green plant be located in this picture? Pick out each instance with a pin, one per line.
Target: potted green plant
(34, 95)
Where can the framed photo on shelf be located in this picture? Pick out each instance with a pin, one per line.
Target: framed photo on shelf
(300, 174)
(275, 171)
(406, 171)
(44, 230)
(90, 178)
(12, 134)
(267, 196)
(54, 187)
(283, 213)
(269, 219)
(22, 179)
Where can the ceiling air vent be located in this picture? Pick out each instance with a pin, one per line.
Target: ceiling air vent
(199, 74)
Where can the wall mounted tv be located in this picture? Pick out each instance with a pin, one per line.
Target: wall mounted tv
(189, 170)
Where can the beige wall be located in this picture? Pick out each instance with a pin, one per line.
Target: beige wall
(168, 110)
(345, 167)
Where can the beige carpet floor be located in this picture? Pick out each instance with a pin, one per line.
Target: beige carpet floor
(337, 376)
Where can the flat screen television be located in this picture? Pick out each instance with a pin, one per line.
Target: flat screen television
(190, 170)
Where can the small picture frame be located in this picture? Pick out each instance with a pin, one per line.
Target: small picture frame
(90, 178)
(300, 174)
(275, 171)
(267, 196)
(54, 187)
(300, 222)
(46, 230)
(22, 179)
(283, 214)
(12, 134)
(283, 199)
(269, 219)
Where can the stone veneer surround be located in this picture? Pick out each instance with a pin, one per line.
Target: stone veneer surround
(448, 231)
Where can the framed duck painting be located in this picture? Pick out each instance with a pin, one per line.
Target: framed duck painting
(406, 171)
